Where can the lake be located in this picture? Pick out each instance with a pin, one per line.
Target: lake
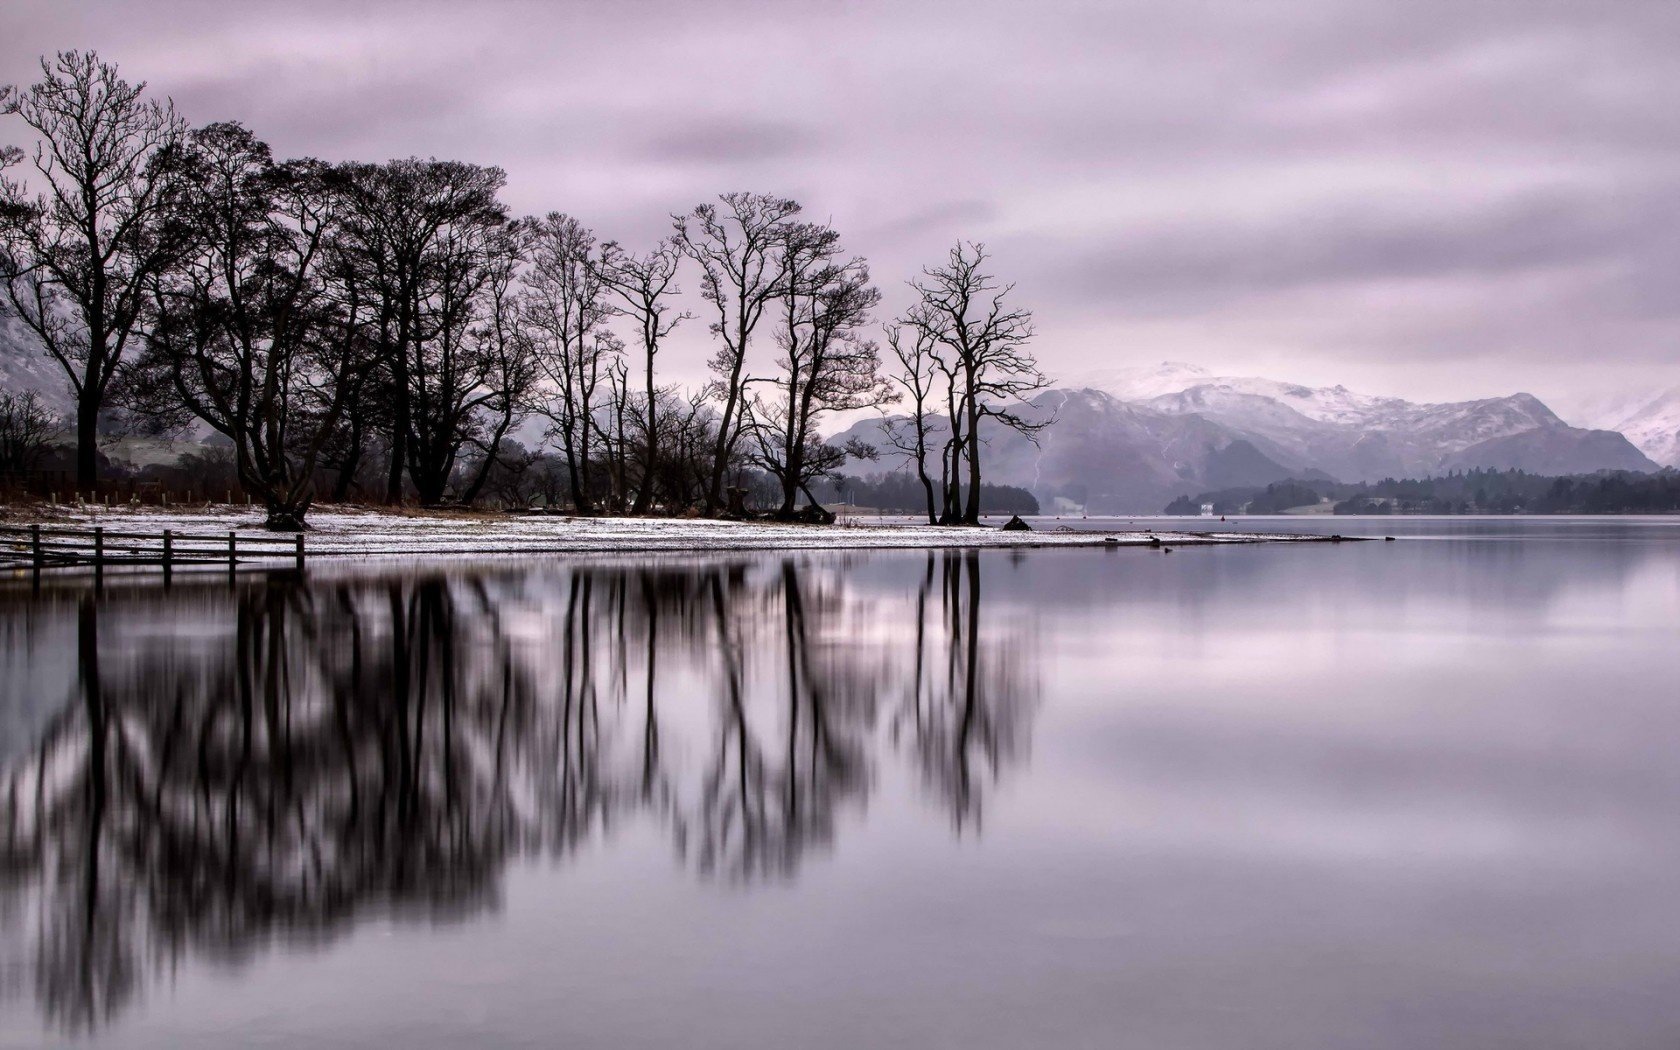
(1388, 795)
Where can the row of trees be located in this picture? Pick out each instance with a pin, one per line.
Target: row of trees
(333, 321)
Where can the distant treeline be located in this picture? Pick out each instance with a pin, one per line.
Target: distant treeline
(1458, 492)
(901, 491)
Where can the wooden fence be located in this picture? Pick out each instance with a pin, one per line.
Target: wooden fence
(40, 547)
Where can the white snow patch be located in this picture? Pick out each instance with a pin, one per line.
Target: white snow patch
(372, 533)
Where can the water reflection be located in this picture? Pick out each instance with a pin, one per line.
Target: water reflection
(275, 759)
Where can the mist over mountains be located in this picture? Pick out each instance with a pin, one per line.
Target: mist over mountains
(1130, 440)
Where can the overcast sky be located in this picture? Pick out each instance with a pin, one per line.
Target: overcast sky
(1434, 198)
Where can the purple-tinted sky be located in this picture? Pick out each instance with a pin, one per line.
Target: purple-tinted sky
(1434, 198)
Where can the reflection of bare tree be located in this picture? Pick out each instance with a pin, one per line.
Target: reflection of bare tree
(971, 693)
(772, 793)
(296, 754)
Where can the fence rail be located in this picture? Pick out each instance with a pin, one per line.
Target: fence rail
(40, 547)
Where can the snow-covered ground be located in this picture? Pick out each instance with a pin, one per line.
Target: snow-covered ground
(369, 533)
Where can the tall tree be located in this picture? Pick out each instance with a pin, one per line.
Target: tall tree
(509, 360)
(645, 285)
(982, 341)
(738, 248)
(247, 334)
(423, 234)
(826, 364)
(565, 307)
(77, 257)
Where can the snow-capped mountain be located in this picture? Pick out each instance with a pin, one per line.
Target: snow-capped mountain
(23, 366)
(1650, 421)
(1362, 437)
(1129, 440)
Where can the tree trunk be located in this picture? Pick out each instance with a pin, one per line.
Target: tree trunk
(87, 442)
(650, 453)
(286, 517)
(927, 483)
(971, 513)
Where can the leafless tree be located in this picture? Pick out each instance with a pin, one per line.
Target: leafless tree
(826, 364)
(645, 285)
(738, 248)
(27, 427)
(565, 306)
(424, 237)
(918, 375)
(77, 256)
(246, 334)
(980, 339)
(508, 357)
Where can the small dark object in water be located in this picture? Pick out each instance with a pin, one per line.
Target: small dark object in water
(1335, 537)
(1110, 539)
(1015, 524)
(1154, 541)
(1388, 539)
(1166, 550)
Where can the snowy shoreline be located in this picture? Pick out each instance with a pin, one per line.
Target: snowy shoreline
(354, 532)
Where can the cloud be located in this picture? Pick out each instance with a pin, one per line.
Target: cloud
(1334, 189)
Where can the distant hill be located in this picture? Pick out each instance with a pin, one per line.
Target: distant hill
(1132, 439)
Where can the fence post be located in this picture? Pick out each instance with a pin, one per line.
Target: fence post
(35, 544)
(99, 545)
(233, 549)
(300, 552)
(168, 547)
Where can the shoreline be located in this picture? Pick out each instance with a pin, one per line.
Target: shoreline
(351, 532)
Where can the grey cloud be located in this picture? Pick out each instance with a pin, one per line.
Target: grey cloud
(731, 142)
(1330, 184)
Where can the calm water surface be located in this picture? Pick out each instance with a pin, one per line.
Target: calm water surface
(1411, 794)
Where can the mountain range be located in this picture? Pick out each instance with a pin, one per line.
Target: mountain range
(1130, 440)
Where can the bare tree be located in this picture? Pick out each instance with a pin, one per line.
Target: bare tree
(509, 359)
(645, 285)
(826, 364)
(247, 335)
(918, 375)
(77, 257)
(565, 307)
(424, 236)
(27, 427)
(981, 340)
(738, 248)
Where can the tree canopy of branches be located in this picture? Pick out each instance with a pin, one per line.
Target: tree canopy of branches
(77, 257)
(566, 308)
(974, 340)
(738, 248)
(429, 237)
(645, 286)
(252, 333)
(826, 364)
(26, 429)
